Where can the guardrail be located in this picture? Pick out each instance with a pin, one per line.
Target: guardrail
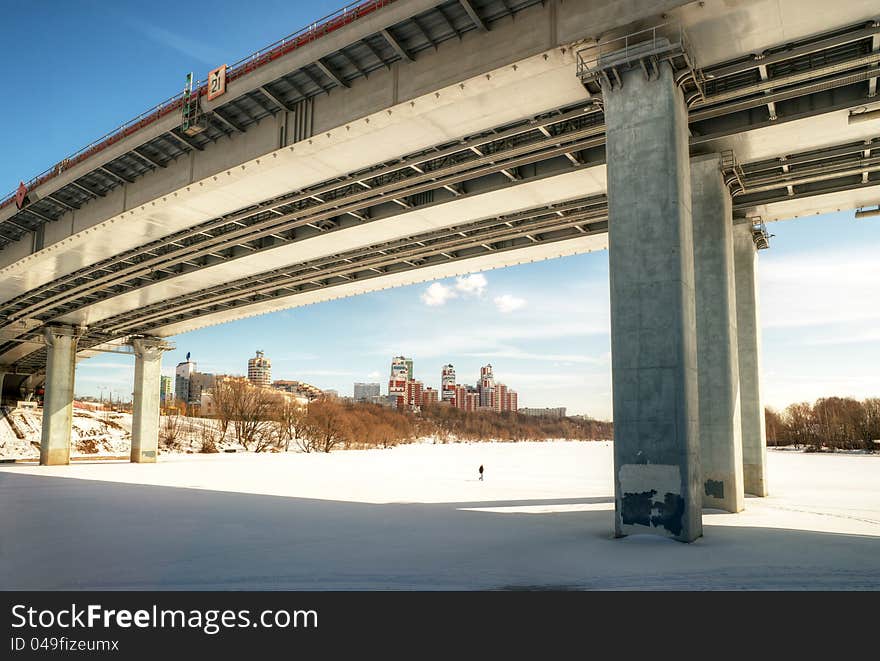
(298, 39)
(627, 51)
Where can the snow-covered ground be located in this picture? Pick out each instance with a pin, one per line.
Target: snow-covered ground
(102, 434)
(416, 517)
(93, 433)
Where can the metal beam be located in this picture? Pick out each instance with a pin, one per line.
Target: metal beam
(423, 32)
(475, 17)
(312, 78)
(448, 22)
(811, 47)
(87, 190)
(45, 219)
(352, 63)
(330, 73)
(228, 122)
(375, 53)
(119, 177)
(296, 88)
(186, 142)
(148, 159)
(16, 225)
(64, 204)
(274, 99)
(392, 41)
(771, 107)
(872, 82)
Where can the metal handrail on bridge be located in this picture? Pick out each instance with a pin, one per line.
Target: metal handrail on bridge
(599, 65)
(315, 30)
(664, 41)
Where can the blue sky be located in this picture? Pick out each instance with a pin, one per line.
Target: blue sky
(80, 69)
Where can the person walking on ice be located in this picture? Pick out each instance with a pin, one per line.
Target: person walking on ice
(481, 472)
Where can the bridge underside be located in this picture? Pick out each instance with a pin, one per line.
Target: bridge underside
(672, 148)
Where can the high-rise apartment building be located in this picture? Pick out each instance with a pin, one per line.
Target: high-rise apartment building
(486, 386)
(166, 390)
(413, 395)
(447, 383)
(260, 370)
(365, 392)
(189, 384)
(467, 398)
(401, 372)
(182, 374)
(429, 397)
(504, 398)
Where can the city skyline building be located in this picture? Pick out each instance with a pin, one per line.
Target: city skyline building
(189, 383)
(486, 386)
(166, 390)
(182, 374)
(298, 388)
(401, 372)
(447, 383)
(554, 412)
(260, 370)
(364, 392)
(430, 397)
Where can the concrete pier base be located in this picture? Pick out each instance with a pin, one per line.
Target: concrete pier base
(58, 399)
(145, 413)
(717, 357)
(657, 474)
(754, 435)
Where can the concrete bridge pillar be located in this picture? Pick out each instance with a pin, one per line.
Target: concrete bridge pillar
(61, 344)
(653, 323)
(717, 357)
(754, 438)
(145, 413)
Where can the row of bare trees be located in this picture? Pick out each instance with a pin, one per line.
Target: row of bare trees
(840, 423)
(261, 420)
(447, 422)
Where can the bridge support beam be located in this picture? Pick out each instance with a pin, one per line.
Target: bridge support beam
(653, 323)
(58, 399)
(721, 455)
(145, 412)
(754, 438)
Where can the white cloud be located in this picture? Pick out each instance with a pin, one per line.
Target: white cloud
(473, 285)
(374, 374)
(437, 294)
(509, 303)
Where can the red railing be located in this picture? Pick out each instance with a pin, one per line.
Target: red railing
(298, 39)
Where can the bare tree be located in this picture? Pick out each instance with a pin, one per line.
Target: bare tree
(248, 409)
(208, 437)
(170, 430)
(326, 424)
(290, 421)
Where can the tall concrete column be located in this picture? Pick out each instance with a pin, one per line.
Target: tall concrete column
(717, 357)
(145, 412)
(653, 324)
(754, 435)
(58, 398)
